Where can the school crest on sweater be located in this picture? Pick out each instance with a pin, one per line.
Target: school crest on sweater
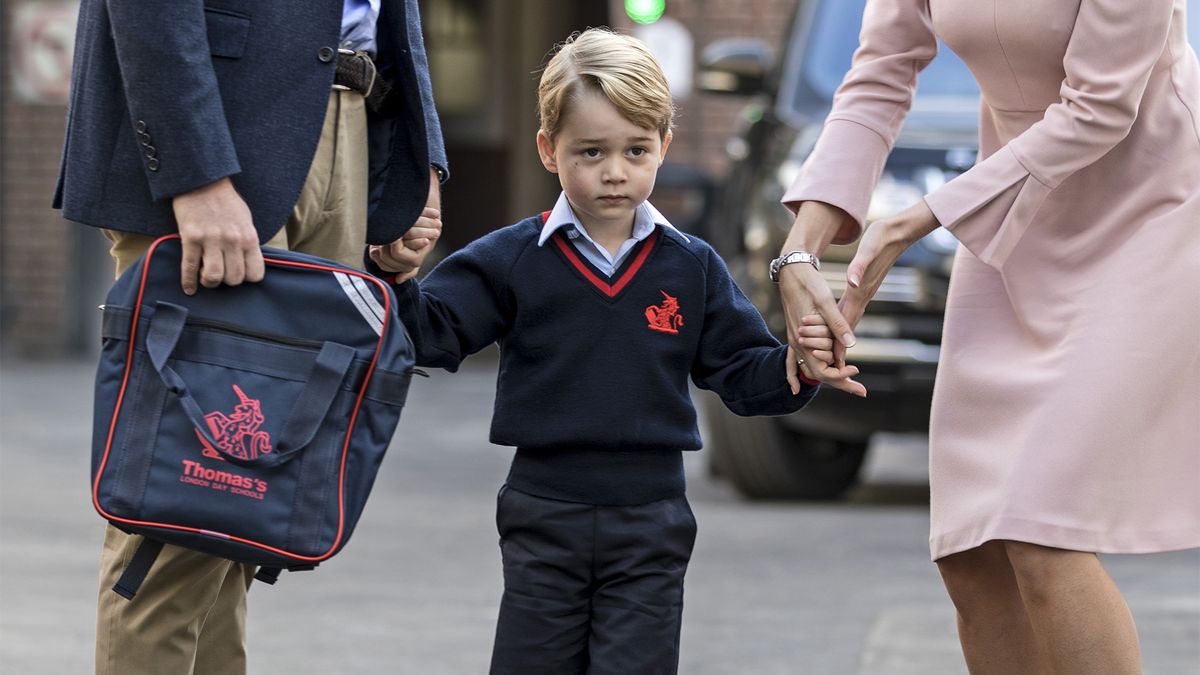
(665, 318)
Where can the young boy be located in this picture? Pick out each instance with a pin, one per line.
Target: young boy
(602, 311)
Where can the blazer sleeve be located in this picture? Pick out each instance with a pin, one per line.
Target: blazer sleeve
(1112, 51)
(433, 125)
(896, 43)
(166, 68)
(738, 357)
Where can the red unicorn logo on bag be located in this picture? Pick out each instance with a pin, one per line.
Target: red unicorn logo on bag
(665, 318)
(237, 434)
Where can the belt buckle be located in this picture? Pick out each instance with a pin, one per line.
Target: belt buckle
(369, 64)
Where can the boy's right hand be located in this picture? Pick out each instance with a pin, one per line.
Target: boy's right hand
(817, 338)
(405, 256)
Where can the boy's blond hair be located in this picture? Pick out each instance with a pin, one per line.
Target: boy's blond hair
(616, 65)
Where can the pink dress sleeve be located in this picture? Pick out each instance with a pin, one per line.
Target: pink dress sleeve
(1113, 48)
(896, 42)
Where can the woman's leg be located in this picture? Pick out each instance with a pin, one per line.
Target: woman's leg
(993, 626)
(1076, 610)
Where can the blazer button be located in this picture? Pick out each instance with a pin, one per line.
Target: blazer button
(152, 164)
(325, 54)
(145, 138)
(141, 127)
(151, 151)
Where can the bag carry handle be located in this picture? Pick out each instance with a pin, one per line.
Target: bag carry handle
(308, 411)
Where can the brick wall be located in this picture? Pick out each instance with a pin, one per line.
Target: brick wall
(707, 120)
(35, 242)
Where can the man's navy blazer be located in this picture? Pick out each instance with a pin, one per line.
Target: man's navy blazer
(170, 96)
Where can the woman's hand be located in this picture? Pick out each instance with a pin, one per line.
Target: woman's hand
(881, 245)
(804, 291)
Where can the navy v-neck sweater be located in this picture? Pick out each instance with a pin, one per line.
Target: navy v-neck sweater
(595, 365)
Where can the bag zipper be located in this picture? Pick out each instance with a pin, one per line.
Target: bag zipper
(241, 331)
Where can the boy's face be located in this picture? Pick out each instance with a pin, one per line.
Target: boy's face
(605, 163)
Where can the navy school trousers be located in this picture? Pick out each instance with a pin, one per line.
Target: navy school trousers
(590, 588)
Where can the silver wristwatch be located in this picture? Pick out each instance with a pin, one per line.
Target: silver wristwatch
(793, 257)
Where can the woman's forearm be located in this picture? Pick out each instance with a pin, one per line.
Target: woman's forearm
(815, 226)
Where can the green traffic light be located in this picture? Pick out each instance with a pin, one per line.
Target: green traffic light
(645, 11)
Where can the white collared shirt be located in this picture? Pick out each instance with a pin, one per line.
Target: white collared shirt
(645, 218)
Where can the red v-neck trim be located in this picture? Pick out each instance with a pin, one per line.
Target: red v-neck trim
(611, 290)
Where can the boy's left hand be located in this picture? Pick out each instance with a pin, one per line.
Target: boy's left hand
(406, 255)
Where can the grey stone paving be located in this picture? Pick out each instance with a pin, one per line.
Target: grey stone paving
(773, 588)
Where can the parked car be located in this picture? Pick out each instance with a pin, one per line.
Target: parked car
(817, 453)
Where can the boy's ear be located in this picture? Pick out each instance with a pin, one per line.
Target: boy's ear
(545, 148)
(666, 142)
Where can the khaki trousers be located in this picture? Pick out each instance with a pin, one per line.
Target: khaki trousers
(190, 614)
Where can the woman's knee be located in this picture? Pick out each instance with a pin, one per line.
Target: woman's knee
(1035, 560)
(976, 575)
(1041, 569)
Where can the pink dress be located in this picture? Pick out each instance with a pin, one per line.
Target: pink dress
(1067, 406)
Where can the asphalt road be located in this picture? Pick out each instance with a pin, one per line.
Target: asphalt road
(843, 588)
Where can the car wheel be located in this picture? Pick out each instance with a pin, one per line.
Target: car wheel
(766, 460)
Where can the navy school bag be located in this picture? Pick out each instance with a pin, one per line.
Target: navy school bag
(247, 422)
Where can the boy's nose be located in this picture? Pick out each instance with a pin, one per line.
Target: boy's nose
(614, 172)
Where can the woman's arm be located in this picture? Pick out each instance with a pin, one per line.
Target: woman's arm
(869, 107)
(831, 195)
(1112, 51)
(804, 291)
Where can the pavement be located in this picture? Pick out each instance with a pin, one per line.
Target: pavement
(774, 588)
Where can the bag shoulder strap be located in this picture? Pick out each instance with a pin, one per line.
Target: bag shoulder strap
(268, 574)
(135, 572)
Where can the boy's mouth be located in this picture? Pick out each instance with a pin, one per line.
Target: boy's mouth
(612, 199)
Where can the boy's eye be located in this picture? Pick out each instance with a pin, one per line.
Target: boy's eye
(637, 152)
(591, 152)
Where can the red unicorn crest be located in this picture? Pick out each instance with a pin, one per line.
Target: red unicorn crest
(237, 434)
(665, 318)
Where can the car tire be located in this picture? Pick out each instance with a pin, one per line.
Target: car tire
(764, 459)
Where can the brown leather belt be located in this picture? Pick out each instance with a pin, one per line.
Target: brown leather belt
(356, 72)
